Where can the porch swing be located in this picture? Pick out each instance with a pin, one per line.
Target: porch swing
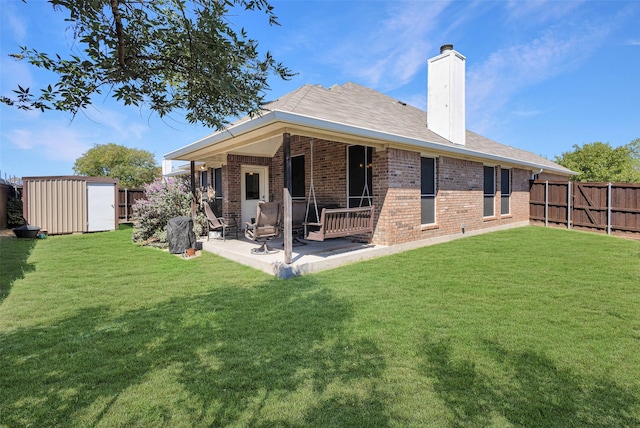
(337, 222)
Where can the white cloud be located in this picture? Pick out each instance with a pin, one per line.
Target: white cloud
(532, 12)
(14, 73)
(388, 55)
(54, 141)
(122, 127)
(526, 113)
(557, 50)
(13, 21)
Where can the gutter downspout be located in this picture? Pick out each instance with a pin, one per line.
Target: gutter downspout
(533, 176)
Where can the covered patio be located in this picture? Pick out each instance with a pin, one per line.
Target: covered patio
(306, 256)
(271, 158)
(315, 256)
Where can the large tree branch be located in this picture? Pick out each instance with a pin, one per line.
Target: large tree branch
(119, 31)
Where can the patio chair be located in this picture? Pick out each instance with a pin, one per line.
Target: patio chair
(298, 214)
(265, 227)
(214, 223)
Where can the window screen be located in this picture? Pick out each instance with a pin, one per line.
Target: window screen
(204, 179)
(359, 176)
(427, 190)
(489, 191)
(297, 177)
(505, 191)
(217, 174)
(217, 186)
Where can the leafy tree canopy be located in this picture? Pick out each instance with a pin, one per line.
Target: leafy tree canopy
(133, 167)
(165, 54)
(601, 162)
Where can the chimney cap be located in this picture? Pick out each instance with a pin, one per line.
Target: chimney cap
(447, 47)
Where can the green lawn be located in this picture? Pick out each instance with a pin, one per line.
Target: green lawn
(527, 327)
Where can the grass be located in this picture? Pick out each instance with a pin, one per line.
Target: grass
(527, 327)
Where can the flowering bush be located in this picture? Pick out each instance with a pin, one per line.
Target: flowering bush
(164, 200)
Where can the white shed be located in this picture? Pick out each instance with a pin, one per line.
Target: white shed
(70, 204)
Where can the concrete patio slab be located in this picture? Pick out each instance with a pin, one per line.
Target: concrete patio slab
(307, 256)
(316, 256)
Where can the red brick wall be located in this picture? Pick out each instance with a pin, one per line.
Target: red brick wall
(232, 180)
(396, 189)
(396, 184)
(520, 194)
(459, 199)
(329, 170)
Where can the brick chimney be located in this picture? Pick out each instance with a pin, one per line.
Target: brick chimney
(446, 95)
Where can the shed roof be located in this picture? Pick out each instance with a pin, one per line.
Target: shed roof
(359, 112)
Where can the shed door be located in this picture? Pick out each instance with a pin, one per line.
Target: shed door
(101, 211)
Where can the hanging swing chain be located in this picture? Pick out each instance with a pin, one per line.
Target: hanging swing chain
(365, 190)
(312, 191)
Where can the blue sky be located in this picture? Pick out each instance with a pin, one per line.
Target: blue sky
(541, 75)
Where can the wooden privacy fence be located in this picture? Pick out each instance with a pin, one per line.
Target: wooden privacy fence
(126, 198)
(603, 207)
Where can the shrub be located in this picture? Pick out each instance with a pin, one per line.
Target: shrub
(14, 212)
(164, 200)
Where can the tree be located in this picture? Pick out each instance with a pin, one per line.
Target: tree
(601, 162)
(133, 167)
(170, 55)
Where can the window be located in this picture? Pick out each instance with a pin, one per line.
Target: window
(359, 176)
(427, 190)
(217, 187)
(252, 186)
(297, 177)
(505, 191)
(217, 182)
(489, 191)
(204, 179)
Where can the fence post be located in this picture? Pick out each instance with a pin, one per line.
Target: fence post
(546, 203)
(126, 204)
(609, 208)
(569, 183)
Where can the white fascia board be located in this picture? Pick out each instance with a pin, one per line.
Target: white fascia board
(223, 135)
(499, 160)
(398, 139)
(293, 119)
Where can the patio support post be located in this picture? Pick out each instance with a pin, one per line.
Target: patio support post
(286, 198)
(193, 189)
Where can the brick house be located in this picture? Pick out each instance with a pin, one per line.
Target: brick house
(427, 176)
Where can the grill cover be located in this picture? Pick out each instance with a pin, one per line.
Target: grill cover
(180, 234)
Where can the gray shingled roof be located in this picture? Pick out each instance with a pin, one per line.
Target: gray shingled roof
(359, 106)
